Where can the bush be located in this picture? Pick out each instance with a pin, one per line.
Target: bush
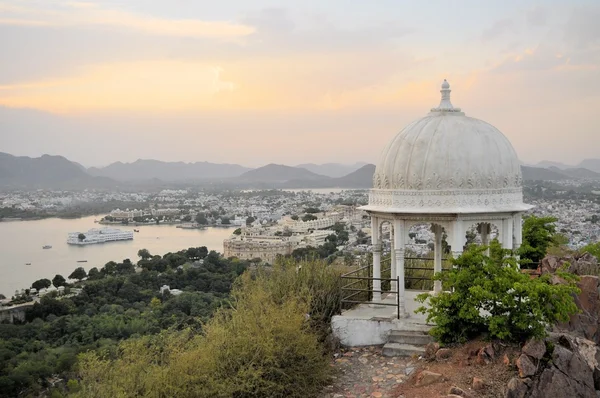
(261, 345)
(490, 296)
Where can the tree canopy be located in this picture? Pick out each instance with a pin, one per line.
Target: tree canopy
(538, 236)
(79, 273)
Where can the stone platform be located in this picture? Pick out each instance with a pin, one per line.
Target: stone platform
(371, 324)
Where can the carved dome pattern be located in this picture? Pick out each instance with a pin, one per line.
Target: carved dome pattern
(447, 159)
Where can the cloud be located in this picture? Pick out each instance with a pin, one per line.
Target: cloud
(536, 16)
(73, 14)
(582, 29)
(157, 85)
(497, 29)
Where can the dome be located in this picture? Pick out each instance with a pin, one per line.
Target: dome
(447, 162)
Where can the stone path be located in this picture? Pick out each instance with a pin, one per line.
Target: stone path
(364, 372)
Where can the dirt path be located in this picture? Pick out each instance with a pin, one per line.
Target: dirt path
(364, 372)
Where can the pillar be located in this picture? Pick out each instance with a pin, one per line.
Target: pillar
(484, 230)
(517, 233)
(507, 233)
(399, 239)
(393, 265)
(437, 256)
(458, 238)
(376, 242)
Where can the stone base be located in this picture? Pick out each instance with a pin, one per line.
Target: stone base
(370, 324)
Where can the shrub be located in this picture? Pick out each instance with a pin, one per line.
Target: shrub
(261, 345)
(490, 296)
(538, 236)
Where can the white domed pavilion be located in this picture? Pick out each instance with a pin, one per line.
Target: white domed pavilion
(450, 171)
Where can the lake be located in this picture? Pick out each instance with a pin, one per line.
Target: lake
(21, 242)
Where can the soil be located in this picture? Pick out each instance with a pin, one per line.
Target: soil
(364, 372)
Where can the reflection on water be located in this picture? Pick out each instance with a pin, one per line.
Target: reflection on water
(21, 243)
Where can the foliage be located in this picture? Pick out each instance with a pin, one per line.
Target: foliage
(538, 236)
(238, 231)
(144, 254)
(79, 273)
(250, 220)
(593, 249)
(41, 284)
(312, 210)
(59, 280)
(261, 346)
(308, 217)
(81, 236)
(201, 219)
(114, 304)
(295, 217)
(489, 295)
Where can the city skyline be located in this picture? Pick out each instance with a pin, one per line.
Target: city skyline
(271, 82)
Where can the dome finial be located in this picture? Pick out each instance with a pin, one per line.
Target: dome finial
(445, 104)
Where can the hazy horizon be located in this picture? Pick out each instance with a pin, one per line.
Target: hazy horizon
(256, 82)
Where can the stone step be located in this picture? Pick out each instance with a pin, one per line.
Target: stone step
(409, 337)
(402, 350)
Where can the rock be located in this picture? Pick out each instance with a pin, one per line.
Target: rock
(535, 348)
(525, 366)
(596, 378)
(363, 360)
(443, 353)
(377, 394)
(483, 355)
(453, 396)
(478, 384)
(489, 350)
(506, 360)
(516, 388)
(426, 378)
(409, 370)
(455, 391)
(574, 365)
(430, 350)
(555, 384)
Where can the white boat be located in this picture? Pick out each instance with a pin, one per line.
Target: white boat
(47, 247)
(98, 235)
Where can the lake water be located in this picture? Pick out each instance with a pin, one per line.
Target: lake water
(21, 242)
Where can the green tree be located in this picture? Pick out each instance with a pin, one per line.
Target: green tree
(79, 273)
(312, 210)
(81, 236)
(93, 274)
(538, 236)
(201, 219)
(250, 220)
(58, 280)
(295, 217)
(41, 284)
(491, 296)
(225, 221)
(309, 217)
(144, 254)
(238, 231)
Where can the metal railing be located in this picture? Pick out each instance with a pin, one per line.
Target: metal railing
(359, 286)
(360, 280)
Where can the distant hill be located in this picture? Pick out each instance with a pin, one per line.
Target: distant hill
(333, 170)
(542, 174)
(45, 172)
(145, 169)
(590, 164)
(577, 172)
(361, 178)
(278, 173)
(548, 164)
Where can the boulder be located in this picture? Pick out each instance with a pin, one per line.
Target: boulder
(478, 384)
(535, 348)
(443, 353)
(555, 384)
(430, 350)
(458, 392)
(426, 378)
(525, 366)
(584, 264)
(516, 388)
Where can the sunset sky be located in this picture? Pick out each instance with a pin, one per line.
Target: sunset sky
(255, 82)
